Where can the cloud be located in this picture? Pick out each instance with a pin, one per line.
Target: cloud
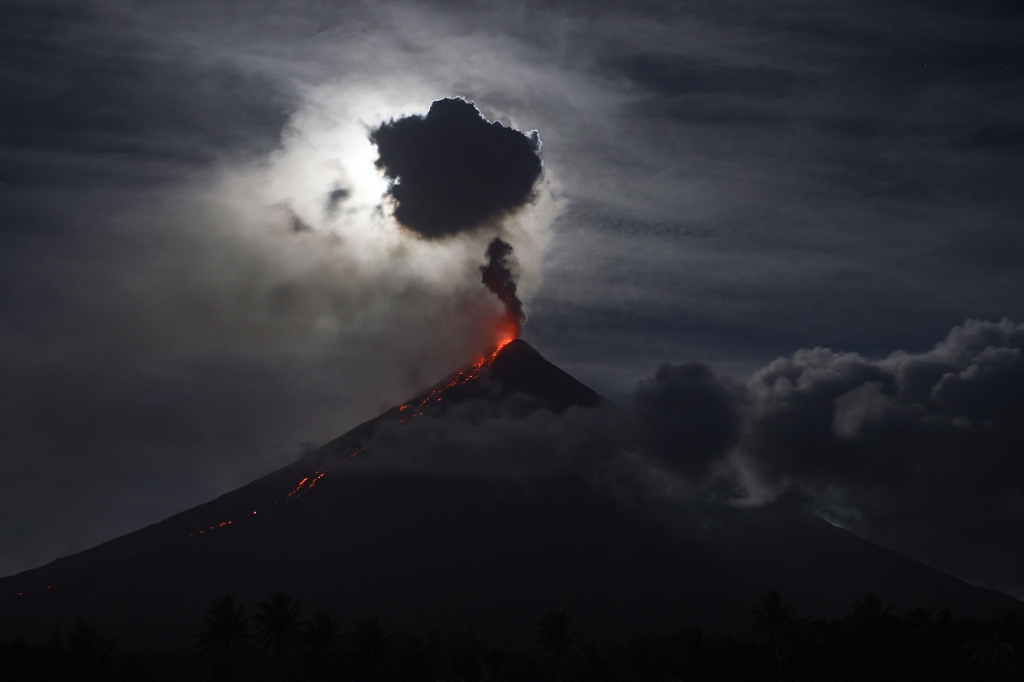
(919, 451)
(686, 417)
(451, 171)
(821, 417)
(513, 437)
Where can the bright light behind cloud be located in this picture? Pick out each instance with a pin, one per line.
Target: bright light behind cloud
(326, 149)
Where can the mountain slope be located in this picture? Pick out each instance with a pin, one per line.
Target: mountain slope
(440, 551)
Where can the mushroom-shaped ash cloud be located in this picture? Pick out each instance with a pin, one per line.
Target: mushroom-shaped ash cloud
(451, 171)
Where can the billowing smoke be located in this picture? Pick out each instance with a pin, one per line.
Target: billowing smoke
(686, 417)
(499, 277)
(451, 171)
(923, 452)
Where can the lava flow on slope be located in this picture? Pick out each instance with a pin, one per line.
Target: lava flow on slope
(512, 367)
(415, 408)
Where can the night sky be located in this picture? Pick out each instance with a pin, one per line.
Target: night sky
(810, 211)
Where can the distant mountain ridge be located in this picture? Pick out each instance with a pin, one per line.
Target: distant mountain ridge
(440, 551)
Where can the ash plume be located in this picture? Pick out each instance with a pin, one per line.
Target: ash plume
(499, 277)
(452, 171)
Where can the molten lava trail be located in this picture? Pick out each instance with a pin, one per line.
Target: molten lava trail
(406, 413)
(303, 487)
(437, 395)
(298, 487)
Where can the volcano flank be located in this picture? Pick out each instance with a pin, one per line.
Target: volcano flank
(344, 528)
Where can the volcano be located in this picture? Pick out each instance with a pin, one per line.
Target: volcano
(427, 550)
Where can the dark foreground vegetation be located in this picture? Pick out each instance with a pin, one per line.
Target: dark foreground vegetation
(279, 642)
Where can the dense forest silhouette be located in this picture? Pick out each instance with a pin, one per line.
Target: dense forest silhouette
(278, 641)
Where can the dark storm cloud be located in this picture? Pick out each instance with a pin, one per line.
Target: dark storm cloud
(451, 170)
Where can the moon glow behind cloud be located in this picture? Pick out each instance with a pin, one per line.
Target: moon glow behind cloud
(324, 178)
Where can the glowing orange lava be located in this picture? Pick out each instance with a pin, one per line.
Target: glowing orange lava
(304, 486)
(204, 531)
(506, 329)
(307, 483)
(298, 487)
(465, 376)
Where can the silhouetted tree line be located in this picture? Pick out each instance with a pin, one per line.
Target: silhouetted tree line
(82, 655)
(278, 643)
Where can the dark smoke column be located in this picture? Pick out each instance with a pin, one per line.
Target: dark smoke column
(499, 278)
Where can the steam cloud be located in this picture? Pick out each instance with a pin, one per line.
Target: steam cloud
(452, 172)
(499, 277)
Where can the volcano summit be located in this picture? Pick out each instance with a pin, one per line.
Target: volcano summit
(408, 517)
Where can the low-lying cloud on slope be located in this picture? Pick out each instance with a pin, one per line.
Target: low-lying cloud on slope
(923, 452)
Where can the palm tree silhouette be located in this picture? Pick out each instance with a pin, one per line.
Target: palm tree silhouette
(556, 638)
(554, 634)
(90, 656)
(992, 653)
(870, 609)
(775, 619)
(277, 625)
(224, 633)
(874, 626)
(321, 636)
(372, 647)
